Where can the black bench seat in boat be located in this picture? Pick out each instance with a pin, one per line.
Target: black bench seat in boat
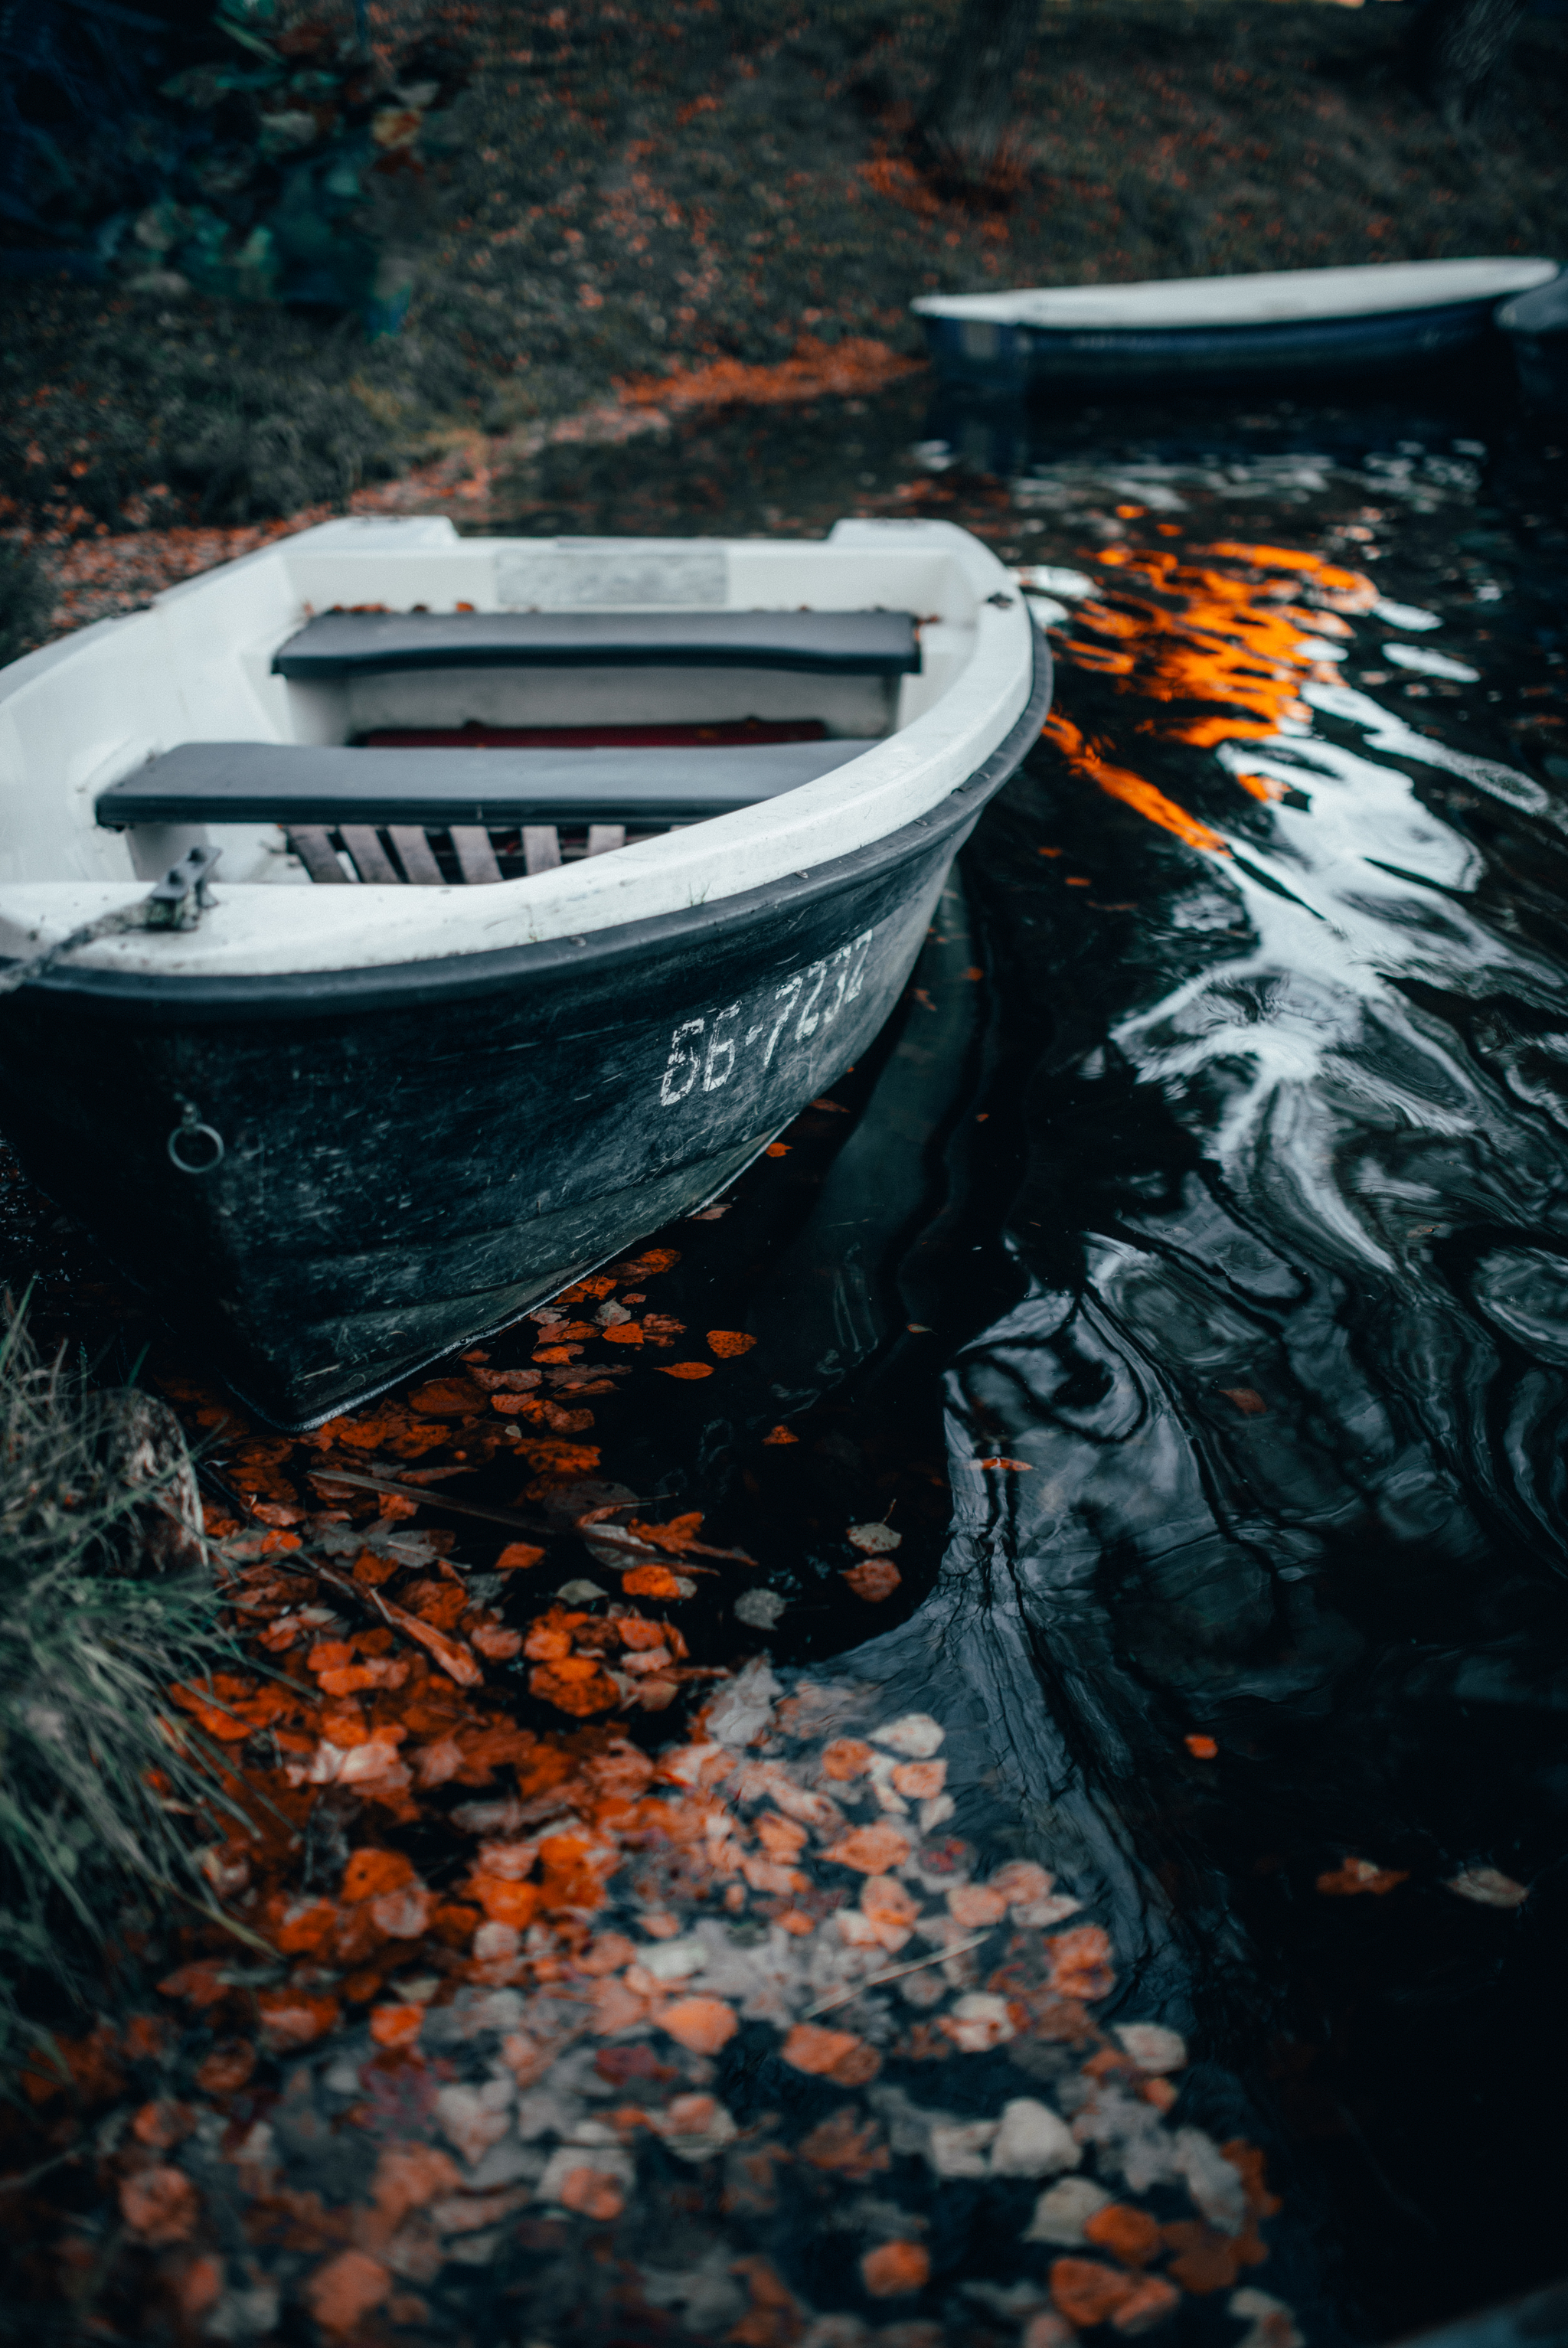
(288, 782)
(828, 644)
(314, 790)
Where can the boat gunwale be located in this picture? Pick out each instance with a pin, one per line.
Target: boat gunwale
(152, 997)
(1030, 340)
(992, 309)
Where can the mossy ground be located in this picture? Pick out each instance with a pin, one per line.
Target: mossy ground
(629, 191)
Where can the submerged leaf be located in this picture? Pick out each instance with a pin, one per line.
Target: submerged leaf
(893, 2269)
(877, 1579)
(1487, 1886)
(873, 1538)
(727, 1343)
(1360, 1875)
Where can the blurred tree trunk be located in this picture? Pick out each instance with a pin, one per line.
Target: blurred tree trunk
(970, 115)
(1457, 47)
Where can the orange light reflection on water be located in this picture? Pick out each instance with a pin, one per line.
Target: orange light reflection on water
(1205, 634)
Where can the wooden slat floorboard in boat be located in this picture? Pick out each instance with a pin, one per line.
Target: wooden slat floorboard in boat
(371, 860)
(316, 853)
(476, 856)
(417, 856)
(540, 847)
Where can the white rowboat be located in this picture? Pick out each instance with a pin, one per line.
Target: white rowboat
(517, 894)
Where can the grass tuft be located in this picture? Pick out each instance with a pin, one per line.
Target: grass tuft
(105, 1597)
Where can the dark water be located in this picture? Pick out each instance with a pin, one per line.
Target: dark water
(1246, 1228)
(1212, 1177)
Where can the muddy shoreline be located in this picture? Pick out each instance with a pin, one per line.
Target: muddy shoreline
(639, 212)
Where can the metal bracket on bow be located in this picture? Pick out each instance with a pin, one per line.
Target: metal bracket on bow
(179, 899)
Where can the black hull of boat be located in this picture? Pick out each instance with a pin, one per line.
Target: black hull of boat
(980, 351)
(412, 1156)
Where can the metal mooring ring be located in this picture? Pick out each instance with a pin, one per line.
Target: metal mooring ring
(189, 1129)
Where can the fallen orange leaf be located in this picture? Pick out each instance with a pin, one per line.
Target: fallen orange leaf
(455, 1661)
(836, 2055)
(227, 2068)
(1080, 1962)
(162, 2205)
(650, 1581)
(1087, 2292)
(781, 1434)
(505, 1902)
(228, 1707)
(572, 1690)
(701, 2024)
(894, 2268)
(446, 1398)
(290, 2018)
(685, 1369)
(877, 1579)
(678, 1534)
(1129, 2234)
(850, 2150)
(162, 2124)
(496, 1644)
(345, 2289)
(1361, 1875)
(1153, 2299)
(440, 1602)
(409, 2176)
(516, 1557)
(646, 1266)
(297, 1935)
(1207, 2260)
(976, 1905)
(871, 1850)
(590, 2193)
(728, 1342)
(396, 2026)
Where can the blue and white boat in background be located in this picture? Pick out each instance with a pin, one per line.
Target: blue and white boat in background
(1277, 321)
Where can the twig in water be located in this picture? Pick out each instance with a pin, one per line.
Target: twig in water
(593, 1529)
(894, 1972)
(432, 1500)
